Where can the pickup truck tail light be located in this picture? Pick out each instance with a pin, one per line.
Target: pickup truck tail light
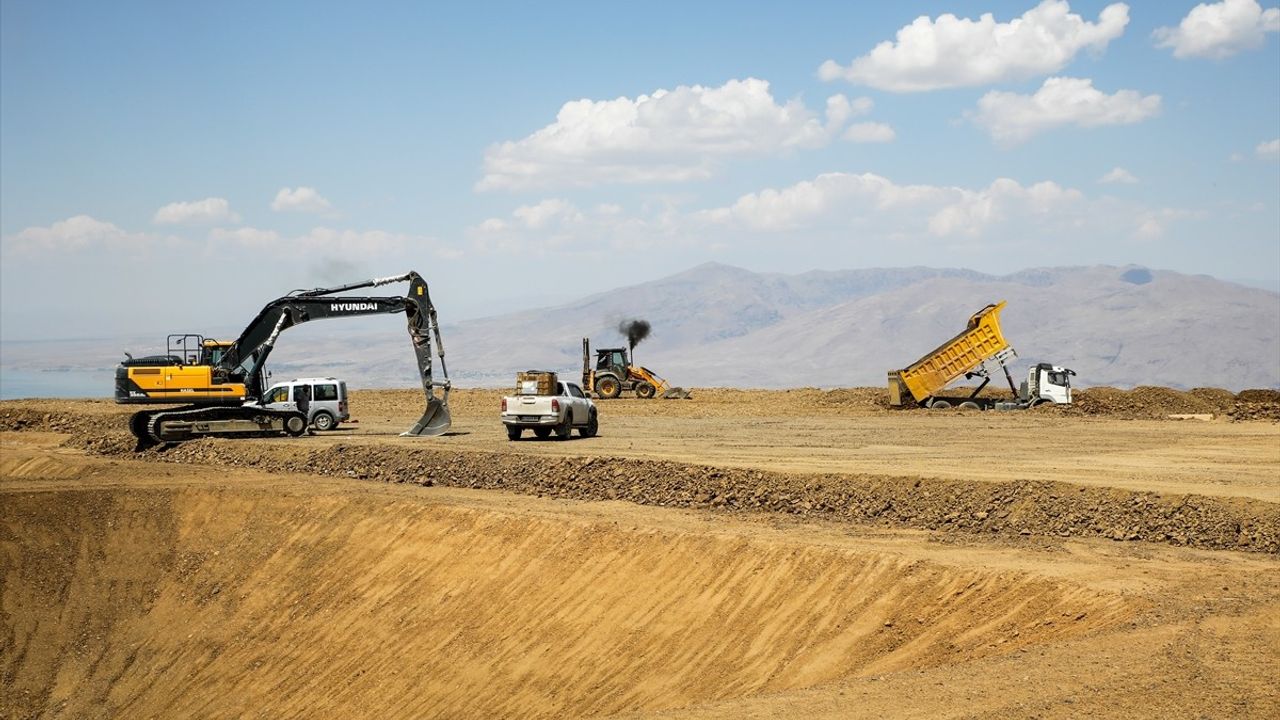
(504, 404)
(555, 405)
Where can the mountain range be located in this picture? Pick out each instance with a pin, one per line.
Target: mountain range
(719, 325)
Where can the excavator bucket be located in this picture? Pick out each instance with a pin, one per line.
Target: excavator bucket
(677, 393)
(435, 421)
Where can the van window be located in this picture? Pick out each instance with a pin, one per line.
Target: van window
(277, 395)
(326, 392)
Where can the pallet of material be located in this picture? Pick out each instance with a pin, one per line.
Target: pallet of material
(536, 382)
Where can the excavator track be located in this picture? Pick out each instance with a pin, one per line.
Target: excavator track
(157, 427)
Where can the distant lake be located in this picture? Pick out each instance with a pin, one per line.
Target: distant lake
(15, 384)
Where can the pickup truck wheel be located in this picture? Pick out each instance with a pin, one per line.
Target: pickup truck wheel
(608, 387)
(591, 428)
(645, 390)
(564, 428)
(513, 433)
(323, 421)
(542, 433)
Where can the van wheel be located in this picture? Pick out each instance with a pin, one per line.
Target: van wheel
(295, 424)
(323, 421)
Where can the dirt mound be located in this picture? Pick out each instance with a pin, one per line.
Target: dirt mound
(237, 602)
(1143, 402)
(61, 416)
(1259, 396)
(1008, 508)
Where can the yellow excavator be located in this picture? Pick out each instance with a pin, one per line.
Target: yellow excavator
(222, 383)
(613, 374)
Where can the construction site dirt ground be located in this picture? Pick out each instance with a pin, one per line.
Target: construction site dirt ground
(745, 554)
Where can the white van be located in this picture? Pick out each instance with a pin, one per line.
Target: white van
(324, 400)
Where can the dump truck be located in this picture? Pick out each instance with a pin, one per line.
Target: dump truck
(614, 374)
(967, 355)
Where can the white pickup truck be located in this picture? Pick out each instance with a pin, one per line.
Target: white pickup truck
(569, 408)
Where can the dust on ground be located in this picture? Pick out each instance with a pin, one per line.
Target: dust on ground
(744, 554)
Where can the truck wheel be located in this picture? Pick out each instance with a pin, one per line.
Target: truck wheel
(939, 405)
(323, 421)
(542, 433)
(645, 390)
(608, 387)
(591, 428)
(970, 405)
(564, 428)
(513, 432)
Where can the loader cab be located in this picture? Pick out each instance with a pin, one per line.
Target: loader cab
(614, 359)
(1049, 383)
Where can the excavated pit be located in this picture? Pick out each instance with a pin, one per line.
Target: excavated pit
(240, 600)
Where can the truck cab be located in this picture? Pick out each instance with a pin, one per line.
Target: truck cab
(322, 400)
(1047, 383)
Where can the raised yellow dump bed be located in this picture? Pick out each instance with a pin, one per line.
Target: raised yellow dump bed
(963, 353)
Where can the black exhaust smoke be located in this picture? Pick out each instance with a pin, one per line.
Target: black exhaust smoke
(635, 331)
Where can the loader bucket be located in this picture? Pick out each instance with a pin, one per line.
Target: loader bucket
(435, 421)
(677, 393)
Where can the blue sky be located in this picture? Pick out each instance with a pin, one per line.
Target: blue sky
(173, 166)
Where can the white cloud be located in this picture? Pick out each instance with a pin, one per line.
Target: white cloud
(1118, 175)
(540, 215)
(845, 214)
(810, 200)
(1219, 30)
(1269, 150)
(1011, 118)
(960, 52)
(301, 199)
(246, 236)
(556, 225)
(75, 233)
(938, 210)
(208, 210)
(325, 241)
(669, 136)
(977, 209)
(870, 132)
(1152, 224)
